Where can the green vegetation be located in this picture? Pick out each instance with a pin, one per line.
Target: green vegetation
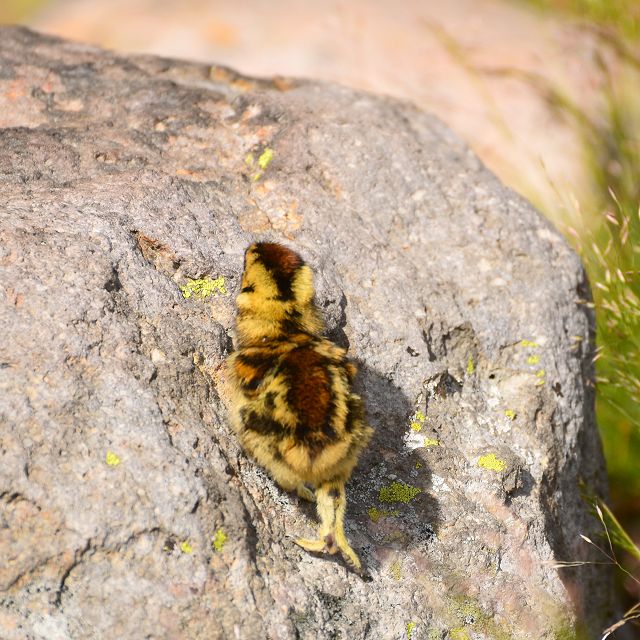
(610, 250)
(606, 233)
(619, 15)
(614, 536)
(604, 227)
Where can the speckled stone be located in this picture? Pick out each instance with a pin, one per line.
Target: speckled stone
(122, 179)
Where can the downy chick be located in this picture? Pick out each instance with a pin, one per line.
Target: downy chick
(292, 405)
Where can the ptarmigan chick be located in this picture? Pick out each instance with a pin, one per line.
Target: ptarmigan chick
(292, 405)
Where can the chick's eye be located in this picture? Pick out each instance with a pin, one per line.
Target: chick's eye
(248, 289)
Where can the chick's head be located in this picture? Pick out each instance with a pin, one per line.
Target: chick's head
(276, 296)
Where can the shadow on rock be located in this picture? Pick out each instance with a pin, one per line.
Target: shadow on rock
(391, 509)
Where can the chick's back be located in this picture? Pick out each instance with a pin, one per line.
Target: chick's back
(295, 411)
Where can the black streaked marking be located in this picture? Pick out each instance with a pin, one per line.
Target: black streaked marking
(282, 264)
(264, 425)
(270, 400)
(355, 413)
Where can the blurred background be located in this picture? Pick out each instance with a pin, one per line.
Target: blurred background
(547, 93)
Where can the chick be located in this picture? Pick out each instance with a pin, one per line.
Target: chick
(291, 403)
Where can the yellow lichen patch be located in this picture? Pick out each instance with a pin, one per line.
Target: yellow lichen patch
(417, 422)
(540, 374)
(375, 514)
(491, 462)
(529, 343)
(459, 633)
(470, 366)
(265, 158)
(419, 465)
(203, 287)
(398, 492)
(186, 547)
(410, 626)
(510, 413)
(431, 442)
(112, 459)
(219, 540)
(396, 570)
(533, 359)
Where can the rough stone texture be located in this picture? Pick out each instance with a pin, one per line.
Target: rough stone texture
(123, 178)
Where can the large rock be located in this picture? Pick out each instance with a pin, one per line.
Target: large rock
(127, 507)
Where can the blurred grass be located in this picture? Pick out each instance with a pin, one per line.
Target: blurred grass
(622, 16)
(604, 227)
(16, 11)
(606, 232)
(611, 252)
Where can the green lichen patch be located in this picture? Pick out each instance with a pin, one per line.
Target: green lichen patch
(466, 610)
(202, 288)
(375, 514)
(398, 492)
(219, 540)
(395, 569)
(186, 547)
(471, 616)
(409, 627)
(491, 462)
(459, 633)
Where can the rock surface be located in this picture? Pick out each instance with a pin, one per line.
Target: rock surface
(127, 509)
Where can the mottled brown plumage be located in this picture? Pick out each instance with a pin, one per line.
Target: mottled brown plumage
(292, 405)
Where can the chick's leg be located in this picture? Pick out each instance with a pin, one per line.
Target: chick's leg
(341, 539)
(331, 505)
(325, 505)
